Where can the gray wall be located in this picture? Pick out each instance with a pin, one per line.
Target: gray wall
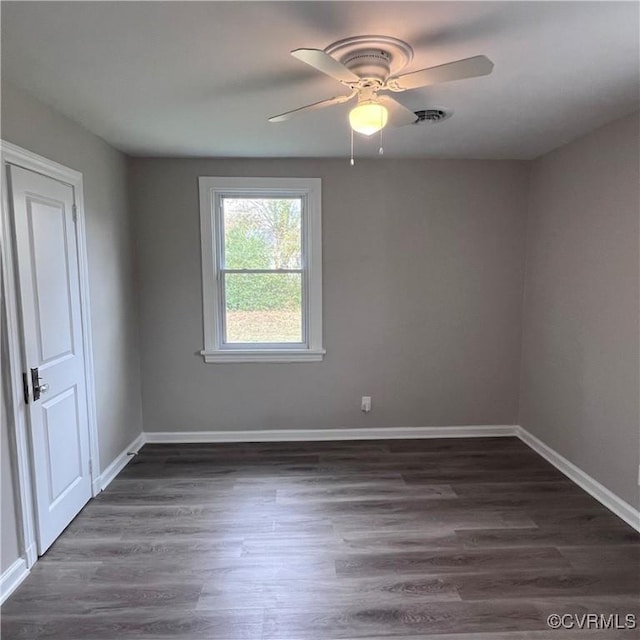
(9, 545)
(34, 126)
(422, 298)
(9, 538)
(580, 337)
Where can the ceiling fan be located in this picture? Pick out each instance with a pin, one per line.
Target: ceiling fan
(368, 66)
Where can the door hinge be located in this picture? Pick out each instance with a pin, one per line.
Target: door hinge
(25, 387)
(74, 210)
(91, 468)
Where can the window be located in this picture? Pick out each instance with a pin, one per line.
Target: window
(261, 269)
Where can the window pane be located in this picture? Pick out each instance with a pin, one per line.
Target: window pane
(262, 233)
(263, 307)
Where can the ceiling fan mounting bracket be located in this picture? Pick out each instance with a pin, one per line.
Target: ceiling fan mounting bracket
(372, 57)
(367, 86)
(393, 85)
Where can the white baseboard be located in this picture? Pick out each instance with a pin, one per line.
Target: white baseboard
(311, 435)
(121, 461)
(603, 495)
(12, 577)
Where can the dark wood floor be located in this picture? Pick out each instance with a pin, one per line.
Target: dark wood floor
(476, 539)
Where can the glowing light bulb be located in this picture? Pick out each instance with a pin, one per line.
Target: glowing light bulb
(368, 117)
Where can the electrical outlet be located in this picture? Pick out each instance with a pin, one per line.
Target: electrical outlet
(366, 404)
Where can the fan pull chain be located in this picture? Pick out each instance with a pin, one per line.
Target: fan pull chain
(381, 149)
(351, 162)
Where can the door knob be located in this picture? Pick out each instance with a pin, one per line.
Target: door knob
(38, 389)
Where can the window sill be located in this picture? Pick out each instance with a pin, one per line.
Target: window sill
(263, 355)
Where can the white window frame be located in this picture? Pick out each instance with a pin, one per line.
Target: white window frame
(212, 190)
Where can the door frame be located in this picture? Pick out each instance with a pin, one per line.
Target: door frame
(20, 437)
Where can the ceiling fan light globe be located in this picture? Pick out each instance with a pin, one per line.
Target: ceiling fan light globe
(368, 118)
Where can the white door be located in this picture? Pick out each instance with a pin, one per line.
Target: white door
(55, 389)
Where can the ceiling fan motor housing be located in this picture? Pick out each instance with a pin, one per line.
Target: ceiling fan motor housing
(372, 58)
(374, 64)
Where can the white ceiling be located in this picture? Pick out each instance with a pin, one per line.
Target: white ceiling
(201, 78)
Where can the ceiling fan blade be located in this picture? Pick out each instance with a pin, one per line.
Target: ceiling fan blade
(467, 68)
(323, 62)
(311, 107)
(399, 115)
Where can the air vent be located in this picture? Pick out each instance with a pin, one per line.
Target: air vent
(437, 114)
